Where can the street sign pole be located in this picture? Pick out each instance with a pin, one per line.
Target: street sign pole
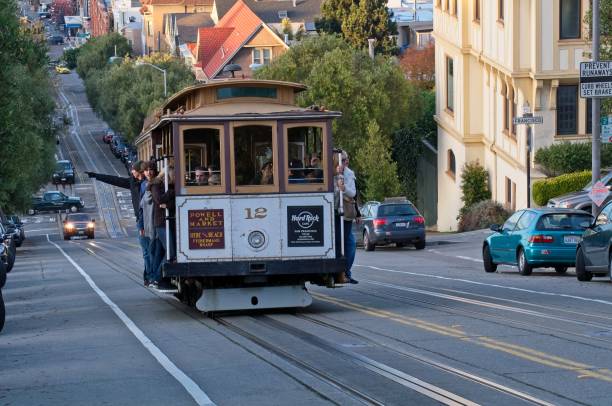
(596, 141)
(528, 166)
(528, 119)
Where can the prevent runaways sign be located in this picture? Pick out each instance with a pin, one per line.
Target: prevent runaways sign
(596, 79)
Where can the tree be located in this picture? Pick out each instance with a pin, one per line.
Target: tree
(94, 54)
(345, 79)
(474, 184)
(419, 66)
(359, 20)
(27, 135)
(378, 169)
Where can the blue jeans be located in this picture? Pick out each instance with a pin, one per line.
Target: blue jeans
(350, 247)
(144, 246)
(161, 236)
(156, 255)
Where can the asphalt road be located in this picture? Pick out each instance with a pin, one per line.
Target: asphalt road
(422, 327)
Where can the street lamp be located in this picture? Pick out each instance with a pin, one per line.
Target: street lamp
(141, 63)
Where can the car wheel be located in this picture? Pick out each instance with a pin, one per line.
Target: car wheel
(2, 274)
(90, 236)
(524, 267)
(66, 237)
(74, 209)
(561, 269)
(489, 265)
(2, 312)
(420, 245)
(367, 243)
(581, 273)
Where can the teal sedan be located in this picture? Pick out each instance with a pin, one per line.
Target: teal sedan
(536, 238)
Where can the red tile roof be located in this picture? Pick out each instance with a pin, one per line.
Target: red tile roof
(217, 46)
(187, 3)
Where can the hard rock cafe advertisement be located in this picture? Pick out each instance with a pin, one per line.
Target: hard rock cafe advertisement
(206, 229)
(305, 226)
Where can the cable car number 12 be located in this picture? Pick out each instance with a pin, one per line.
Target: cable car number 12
(258, 213)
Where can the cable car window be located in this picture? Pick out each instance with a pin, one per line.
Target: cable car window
(201, 152)
(305, 155)
(231, 92)
(253, 155)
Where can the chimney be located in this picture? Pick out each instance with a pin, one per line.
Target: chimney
(294, 3)
(371, 42)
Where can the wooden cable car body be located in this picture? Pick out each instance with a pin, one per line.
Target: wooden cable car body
(260, 222)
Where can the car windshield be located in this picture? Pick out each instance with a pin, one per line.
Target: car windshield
(396, 210)
(606, 180)
(78, 217)
(63, 166)
(563, 221)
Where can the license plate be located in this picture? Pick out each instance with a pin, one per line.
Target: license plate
(571, 239)
(81, 232)
(401, 224)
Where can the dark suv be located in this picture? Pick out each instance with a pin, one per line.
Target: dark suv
(64, 172)
(393, 221)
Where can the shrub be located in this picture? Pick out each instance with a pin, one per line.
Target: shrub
(544, 190)
(70, 56)
(474, 184)
(566, 157)
(482, 215)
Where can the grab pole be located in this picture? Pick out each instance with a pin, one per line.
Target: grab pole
(167, 211)
(341, 207)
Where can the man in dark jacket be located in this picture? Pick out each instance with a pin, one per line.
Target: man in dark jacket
(133, 183)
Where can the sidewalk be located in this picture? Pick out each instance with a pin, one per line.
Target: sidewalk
(438, 238)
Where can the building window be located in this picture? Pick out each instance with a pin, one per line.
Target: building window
(451, 165)
(262, 56)
(589, 116)
(446, 7)
(512, 116)
(506, 114)
(455, 7)
(450, 85)
(567, 109)
(500, 10)
(510, 194)
(569, 16)
(149, 29)
(477, 10)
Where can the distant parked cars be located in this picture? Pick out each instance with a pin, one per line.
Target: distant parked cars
(6, 239)
(79, 224)
(62, 69)
(55, 40)
(536, 238)
(108, 136)
(64, 172)
(580, 199)
(55, 201)
(117, 145)
(594, 253)
(392, 221)
(16, 220)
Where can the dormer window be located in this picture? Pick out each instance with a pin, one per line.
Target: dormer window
(262, 56)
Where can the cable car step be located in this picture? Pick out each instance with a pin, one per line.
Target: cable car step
(264, 297)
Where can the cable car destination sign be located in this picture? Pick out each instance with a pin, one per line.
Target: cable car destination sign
(596, 79)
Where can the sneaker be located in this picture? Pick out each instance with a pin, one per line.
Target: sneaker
(146, 284)
(153, 285)
(353, 281)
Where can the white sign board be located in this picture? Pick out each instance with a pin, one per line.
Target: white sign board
(599, 193)
(606, 133)
(596, 79)
(528, 120)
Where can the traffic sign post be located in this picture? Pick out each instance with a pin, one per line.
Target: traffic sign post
(596, 79)
(528, 119)
(599, 193)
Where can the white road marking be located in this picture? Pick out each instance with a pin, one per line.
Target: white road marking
(537, 292)
(456, 256)
(192, 388)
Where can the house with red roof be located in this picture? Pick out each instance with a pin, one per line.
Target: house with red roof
(240, 37)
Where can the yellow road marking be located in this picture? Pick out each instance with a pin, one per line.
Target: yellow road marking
(529, 354)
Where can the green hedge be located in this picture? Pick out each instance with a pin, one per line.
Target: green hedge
(544, 190)
(566, 157)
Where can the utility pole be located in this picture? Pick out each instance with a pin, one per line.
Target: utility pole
(596, 139)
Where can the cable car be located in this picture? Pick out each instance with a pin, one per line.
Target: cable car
(254, 217)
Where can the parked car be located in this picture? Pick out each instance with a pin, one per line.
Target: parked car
(20, 226)
(127, 151)
(536, 238)
(79, 224)
(54, 201)
(594, 255)
(62, 69)
(12, 229)
(392, 221)
(64, 172)
(55, 40)
(131, 158)
(580, 199)
(3, 264)
(108, 136)
(6, 239)
(118, 144)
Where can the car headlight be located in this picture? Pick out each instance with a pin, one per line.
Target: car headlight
(90, 225)
(2, 249)
(69, 226)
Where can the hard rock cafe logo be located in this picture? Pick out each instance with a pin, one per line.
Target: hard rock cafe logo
(305, 219)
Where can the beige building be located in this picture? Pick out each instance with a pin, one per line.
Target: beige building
(493, 57)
